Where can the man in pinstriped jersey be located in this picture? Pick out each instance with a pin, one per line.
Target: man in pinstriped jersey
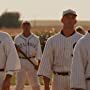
(9, 60)
(58, 53)
(30, 45)
(80, 67)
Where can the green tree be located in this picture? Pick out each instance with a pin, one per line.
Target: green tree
(10, 20)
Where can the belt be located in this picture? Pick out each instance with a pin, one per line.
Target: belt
(1, 70)
(88, 78)
(26, 58)
(62, 73)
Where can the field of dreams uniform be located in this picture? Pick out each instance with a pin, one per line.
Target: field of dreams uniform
(80, 68)
(9, 60)
(32, 48)
(57, 57)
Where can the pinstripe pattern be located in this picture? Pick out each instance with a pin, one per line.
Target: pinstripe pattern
(9, 60)
(61, 83)
(57, 56)
(31, 47)
(80, 68)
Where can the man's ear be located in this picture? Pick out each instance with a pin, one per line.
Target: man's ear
(75, 21)
(62, 20)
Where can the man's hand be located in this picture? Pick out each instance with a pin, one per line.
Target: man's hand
(46, 88)
(37, 66)
(46, 83)
(6, 83)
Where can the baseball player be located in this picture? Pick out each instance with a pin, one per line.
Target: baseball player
(30, 45)
(80, 29)
(58, 53)
(80, 68)
(9, 60)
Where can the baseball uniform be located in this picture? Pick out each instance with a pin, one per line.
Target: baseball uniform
(80, 68)
(9, 60)
(57, 57)
(32, 48)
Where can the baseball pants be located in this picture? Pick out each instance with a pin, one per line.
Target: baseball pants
(27, 69)
(61, 82)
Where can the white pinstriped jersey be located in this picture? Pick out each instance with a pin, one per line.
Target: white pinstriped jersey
(29, 45)
(80, 68)
(58, 53)
(8, 55)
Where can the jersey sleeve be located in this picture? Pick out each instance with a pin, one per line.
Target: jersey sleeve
(12, 59)
(45, 68)
(77, 77)
(38, 51)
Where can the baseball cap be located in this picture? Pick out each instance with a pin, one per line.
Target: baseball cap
(25, 23)
(69, 11)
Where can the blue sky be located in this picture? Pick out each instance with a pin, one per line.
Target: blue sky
(46, 9)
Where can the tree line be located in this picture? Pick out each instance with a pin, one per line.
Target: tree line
(10, 20)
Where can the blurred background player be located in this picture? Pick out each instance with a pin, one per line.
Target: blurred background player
(81, 30)
(29, 43)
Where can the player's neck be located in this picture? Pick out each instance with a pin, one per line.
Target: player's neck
(27, 34)
(68, 32)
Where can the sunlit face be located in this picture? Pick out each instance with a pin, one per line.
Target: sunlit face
(69, 20)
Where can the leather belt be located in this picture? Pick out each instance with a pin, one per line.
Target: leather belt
(26, 58)
(62, 73)
(1, 70)
(88, 78)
